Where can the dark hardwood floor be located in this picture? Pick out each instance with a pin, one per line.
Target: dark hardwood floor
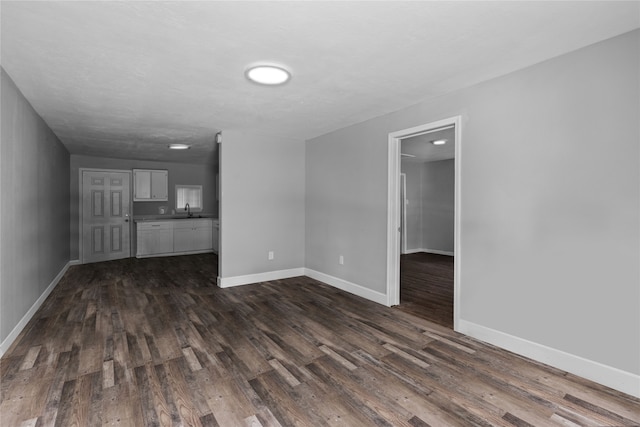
(426, 287)
(155, 342)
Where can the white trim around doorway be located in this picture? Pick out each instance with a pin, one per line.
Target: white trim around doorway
(393, 211)
(403, 191)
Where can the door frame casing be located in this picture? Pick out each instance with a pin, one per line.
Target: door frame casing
(393, 211)
(403, 209)
(81, 210)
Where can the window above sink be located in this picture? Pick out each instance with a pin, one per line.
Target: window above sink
(191, 194)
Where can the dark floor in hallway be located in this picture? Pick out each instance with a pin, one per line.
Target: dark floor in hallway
(426, 287)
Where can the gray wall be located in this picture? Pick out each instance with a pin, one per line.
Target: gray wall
(438, 203)
(179, 173)
(262, 205)
(431, 202)
(549, 201)
(34, 222)
(346, 204)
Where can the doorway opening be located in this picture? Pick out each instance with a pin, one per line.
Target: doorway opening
(424, 220)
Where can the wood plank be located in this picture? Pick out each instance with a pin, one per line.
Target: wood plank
(277, 394)
(191, 406)
(252, 421)
(338, 358)
(192, 360)
(288, 377)
(117, 406)
(29, 423)
(30, 358)
(358, 383)
(108, 374)
(228, 404)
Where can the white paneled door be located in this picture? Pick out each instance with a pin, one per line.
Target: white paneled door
(105, 215)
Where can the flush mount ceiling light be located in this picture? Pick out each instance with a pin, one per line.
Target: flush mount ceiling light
(439, 142)
(268, 75)
(179, 146)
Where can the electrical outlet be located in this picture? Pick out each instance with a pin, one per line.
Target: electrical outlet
(341, 260)
(271, 256)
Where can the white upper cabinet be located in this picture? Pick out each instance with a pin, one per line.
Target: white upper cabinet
(150, 185)
(160, 185)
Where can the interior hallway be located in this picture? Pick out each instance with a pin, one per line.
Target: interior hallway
(155, 342)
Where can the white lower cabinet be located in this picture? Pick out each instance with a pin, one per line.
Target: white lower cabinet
(174, 237)
(154, 238)
(192, 235)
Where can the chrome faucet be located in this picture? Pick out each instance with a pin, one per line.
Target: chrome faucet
(188, 209)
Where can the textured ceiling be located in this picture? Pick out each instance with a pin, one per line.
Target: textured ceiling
(123, 79)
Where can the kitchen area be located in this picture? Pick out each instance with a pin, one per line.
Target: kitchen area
(179, 229)
(173, 207)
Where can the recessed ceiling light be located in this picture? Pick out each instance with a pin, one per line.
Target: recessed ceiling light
(439, 142)
(179, 146)
(268, 75)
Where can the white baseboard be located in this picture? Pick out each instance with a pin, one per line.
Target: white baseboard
(350, 287)
(437, 252)
(429, 251)
(361, 291)
(204, 251)
(226, 282)
(75, 262)
(412, 251)
(8, 341)
(615, 378)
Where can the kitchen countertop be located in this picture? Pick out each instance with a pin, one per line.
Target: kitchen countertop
(148, 218)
